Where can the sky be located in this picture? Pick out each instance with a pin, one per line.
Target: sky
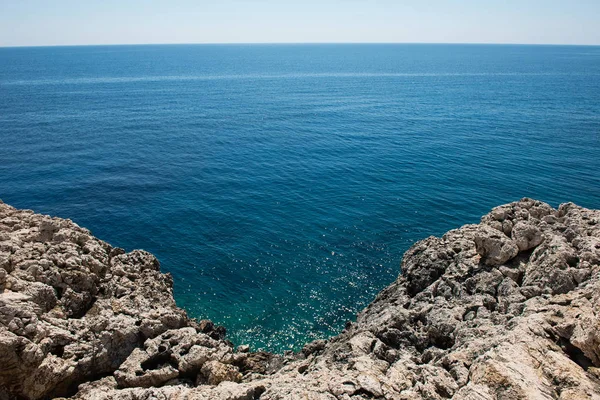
(87, 22)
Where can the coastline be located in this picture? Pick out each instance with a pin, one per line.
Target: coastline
(508, 308)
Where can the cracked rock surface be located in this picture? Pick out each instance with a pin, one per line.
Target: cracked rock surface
(505, 309)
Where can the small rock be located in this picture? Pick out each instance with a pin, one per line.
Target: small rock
(215, 372)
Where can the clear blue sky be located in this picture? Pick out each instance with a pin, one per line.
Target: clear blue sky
(66, 22)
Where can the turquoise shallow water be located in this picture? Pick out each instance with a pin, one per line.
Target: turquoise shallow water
(281, 184)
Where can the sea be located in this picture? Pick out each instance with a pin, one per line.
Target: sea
(280, 185)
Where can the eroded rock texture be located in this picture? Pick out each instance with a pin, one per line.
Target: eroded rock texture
(506, 309)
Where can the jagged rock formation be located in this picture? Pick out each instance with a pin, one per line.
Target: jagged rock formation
(506, 309)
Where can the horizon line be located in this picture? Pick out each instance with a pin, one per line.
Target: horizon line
(299, 43)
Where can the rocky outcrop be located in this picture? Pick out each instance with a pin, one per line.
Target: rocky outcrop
(505, 309)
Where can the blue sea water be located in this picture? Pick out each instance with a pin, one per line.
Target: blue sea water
(281, 184)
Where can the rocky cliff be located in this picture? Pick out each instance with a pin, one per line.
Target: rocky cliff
(506, 309)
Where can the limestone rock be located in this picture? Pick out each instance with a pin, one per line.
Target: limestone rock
(214, 372)
(494, 246)
(505, 309)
